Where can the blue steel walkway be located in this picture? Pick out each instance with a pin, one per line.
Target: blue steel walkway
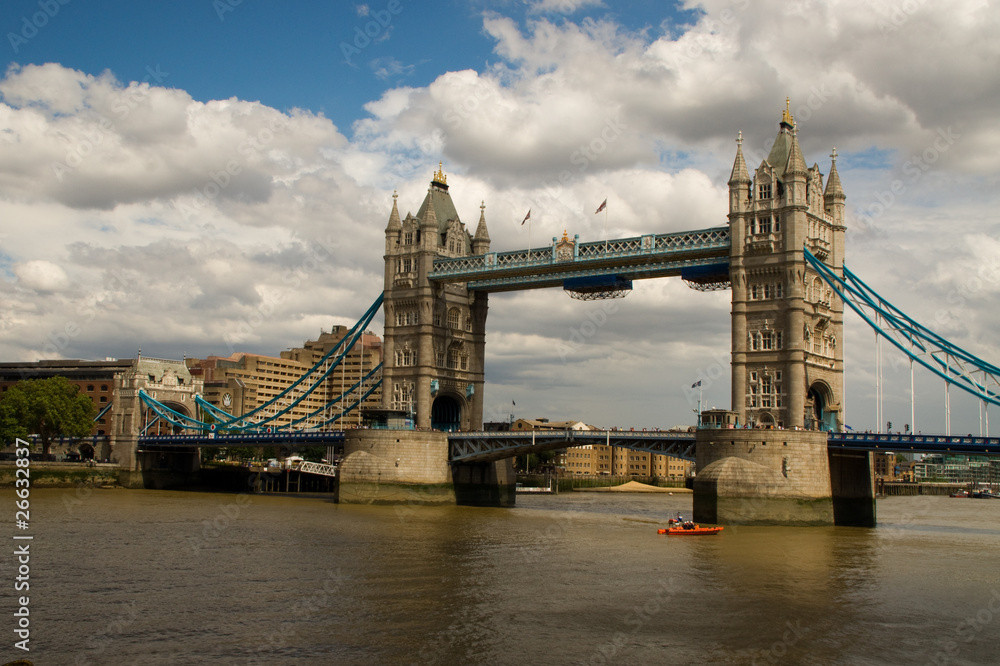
(655, 255)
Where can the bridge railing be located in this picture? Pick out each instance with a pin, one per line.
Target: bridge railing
(246, 439)
(713, 239)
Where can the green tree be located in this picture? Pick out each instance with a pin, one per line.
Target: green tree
(48, 408)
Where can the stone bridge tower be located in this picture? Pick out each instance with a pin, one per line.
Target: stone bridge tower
(787, 325)
(788, 358)
(435, 334)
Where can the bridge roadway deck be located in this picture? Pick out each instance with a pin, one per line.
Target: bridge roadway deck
(490, 446)
(650, 256)
(245, 439)
(483, 446)
(873, 441)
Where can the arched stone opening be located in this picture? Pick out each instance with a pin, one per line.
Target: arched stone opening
(819, 415)
(167, 428)
(446, 413)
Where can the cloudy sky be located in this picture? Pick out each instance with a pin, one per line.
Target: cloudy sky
(207, 177)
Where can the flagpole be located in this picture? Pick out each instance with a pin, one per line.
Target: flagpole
(605, 226)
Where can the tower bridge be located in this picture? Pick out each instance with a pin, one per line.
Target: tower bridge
(781, 253)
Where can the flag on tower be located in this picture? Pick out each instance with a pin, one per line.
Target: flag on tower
(696, 384)
(601, 207)
(526, 217)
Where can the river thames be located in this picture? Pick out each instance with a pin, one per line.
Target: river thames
(157, 577)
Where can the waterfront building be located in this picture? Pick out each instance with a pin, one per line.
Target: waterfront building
(885, 465)
(603, 460)
(242, 382)
(957, 469)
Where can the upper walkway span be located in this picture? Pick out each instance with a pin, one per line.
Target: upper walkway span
(651, 256)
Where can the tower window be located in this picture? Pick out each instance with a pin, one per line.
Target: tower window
(764, 191)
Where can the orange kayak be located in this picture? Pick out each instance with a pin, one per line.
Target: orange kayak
(694, 531)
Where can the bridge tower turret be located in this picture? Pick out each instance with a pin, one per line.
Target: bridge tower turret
(435, 335)
(787, 326)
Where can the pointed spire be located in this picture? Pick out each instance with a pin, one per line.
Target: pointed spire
(481, 241)
(833, 186)
(430, 217)
(394, 222)
(481, 231)
(796, 163)
(740, 173)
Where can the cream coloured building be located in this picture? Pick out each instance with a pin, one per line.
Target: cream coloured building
(242, 382)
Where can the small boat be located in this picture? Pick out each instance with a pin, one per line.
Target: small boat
(688, 529)
(959, 493)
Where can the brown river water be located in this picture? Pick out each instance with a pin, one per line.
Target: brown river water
(158, 577)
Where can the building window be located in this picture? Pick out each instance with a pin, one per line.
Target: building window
(90, 388)
(765, 222)
(764, 191)
(453, 317)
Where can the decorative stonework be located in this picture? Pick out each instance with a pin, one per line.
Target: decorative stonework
(785, 320)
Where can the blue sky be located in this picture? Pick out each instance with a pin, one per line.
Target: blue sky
(287, 55)
(164, 168)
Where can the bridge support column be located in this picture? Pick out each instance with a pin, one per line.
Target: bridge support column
(485, 484)
(852, 482)
(411, 467)
(164, 468)
(763, 477)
